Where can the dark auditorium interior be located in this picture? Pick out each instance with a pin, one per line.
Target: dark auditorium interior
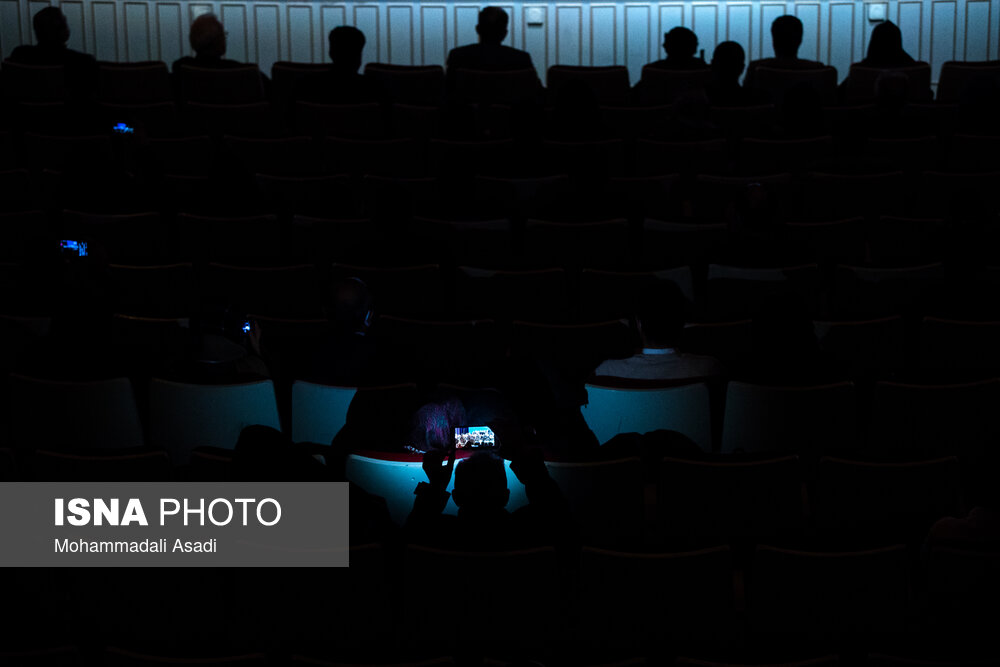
(735, 330)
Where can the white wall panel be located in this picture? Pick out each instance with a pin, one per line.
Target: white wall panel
(569, 27)
(74, 13)
(301, 37)
(137, 33)
(705, 24)
(977, 31)
(944, 25)
(603, 35)
(433, 35)
(605, 32)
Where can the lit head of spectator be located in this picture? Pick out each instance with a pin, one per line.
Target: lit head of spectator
(346, 45)
(51, 29)
(208, 37)
(660, 315)
(680, 43)
(481, 484)
(786, 36)
(728, 61)
(492, 25)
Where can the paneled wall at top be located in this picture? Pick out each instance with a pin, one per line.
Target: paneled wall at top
(623, 32)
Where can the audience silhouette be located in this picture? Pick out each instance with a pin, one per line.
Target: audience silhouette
(52, 33)
(208, 41)
(659, 322)
(680, 45)
(786, 38)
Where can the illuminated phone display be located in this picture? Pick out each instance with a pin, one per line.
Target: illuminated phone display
(473, 437)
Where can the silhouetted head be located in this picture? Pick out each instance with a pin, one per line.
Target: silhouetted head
(481, 483)
(352, 308)
(728, 61)
(346, 46)
(786, 36)
(886, 43)
(680, 43)
(492, 26)
(208, 37)
(50, 26)
(660, 314)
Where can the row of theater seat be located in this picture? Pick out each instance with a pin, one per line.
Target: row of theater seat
(149, 81)
(578, 605)
(896, 421)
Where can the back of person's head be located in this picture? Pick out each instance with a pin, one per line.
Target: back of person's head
(481, 483)
(660, 314)
(208, 37)
(50, 27)
(786, 36)
(346, 45)
(352, 308)
(886, 42)
(728, 61)
(492, 26)
(680, 43)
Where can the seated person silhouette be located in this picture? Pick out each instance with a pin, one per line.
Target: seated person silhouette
(728, 63)
(480, 491)
(344, 84)
(52, 33)
(659, 322)
(489, 54)
(345, 353)
(208, 39)
(680, 44)
(786, 38)
(885, 51)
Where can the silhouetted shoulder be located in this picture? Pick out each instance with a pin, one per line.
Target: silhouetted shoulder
(208, 63)
(488, 57)
(37, 55)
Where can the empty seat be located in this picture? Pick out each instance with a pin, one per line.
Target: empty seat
(879, 291)
(166, 290)
(144, 466)
(806, 420)
(777, 82)
(634, 601)
(574, 350)
(409, 84)
(539, 295)
(71, 415)
(229, 239)
(153, 119)
(290, 79)
(863, 348)
(655, 157)
(959, 347)
(353, 121)
(914, 420)
(632, 122)
(577, 244)
(608, 295)
(663, 86)
(810, 595)
(276, 291)
(828, 242)
(490, 242)
(34, 83)
(609, 85)
(729, 342)
(724, 498)
(236, 85)
(251, 119)
(134, 83)
(183, 416)
(896, 241)
(321, 240)
(290, 156)
(114, 656)
(828, 196)
(680, 243)
(734, 292)
(319, 411)
(587, 161)
(316, 196)
(384, 157)
(769, 156)
(606, 498)
(611, 410)
(957, 76)
(522, 583)
(861, 82)
(962, 584)
(879, 502)
(465, 352)
(145, 344)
